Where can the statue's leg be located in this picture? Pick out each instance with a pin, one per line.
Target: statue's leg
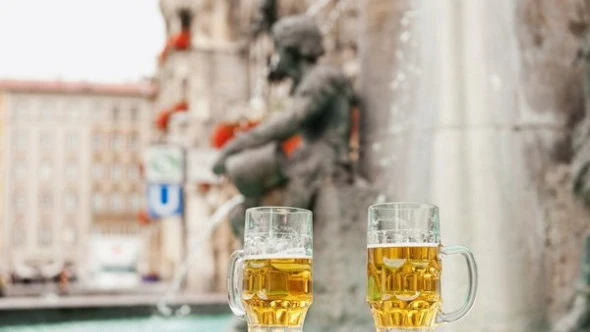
(298, 193)
(305, 178)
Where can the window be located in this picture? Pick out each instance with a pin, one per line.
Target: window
(20, 140)
(71, 141)
(45, 200)
(45, 170)
(98, 203)
(98, 172)
(20, 171)
(22, 109)
(20, 202)
(72, 171)
(136, 202)
(21, 105)
(70, 202)
(98, 141)
(117, 142)
(116, 172)
(73, 111)
(45, 141)
(134, 142)
(48, 110)
(116, 113)
(117, 203)
(45, 235)
(97, 112)
(70, 234)
(18, 232)
(186, 19)
(134, 114)
(133, 172)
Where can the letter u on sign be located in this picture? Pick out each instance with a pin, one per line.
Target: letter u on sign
(164, 200)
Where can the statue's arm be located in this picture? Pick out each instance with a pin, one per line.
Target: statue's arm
(277, 128)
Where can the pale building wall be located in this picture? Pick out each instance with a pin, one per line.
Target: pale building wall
(52, 163)
(118, 138)
(3, 177)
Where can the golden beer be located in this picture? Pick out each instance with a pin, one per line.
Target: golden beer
(403, 287)
(277, 291)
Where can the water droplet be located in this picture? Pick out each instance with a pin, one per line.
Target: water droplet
(185, 310)
(496, 82)
(405, 37)
(399, 55)
(385, 162)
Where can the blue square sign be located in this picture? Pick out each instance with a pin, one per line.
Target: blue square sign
(164, 200)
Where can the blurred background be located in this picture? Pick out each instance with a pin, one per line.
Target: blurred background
(112, 114)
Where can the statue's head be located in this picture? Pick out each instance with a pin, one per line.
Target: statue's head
(297, 39)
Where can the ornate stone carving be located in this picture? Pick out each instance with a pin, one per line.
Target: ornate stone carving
(577, 318)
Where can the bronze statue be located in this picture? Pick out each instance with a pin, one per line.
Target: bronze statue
(320, 115)
(577, 318)
(581, 143)
(267, 16)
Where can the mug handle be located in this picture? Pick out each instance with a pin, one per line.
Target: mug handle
(235, 281)
(471, 294)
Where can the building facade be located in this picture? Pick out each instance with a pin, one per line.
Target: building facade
(71, 171)
(3, 179)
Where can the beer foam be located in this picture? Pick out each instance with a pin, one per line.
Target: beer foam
(278, 256)
(403, 245)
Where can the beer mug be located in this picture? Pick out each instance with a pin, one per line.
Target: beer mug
(404, 268)
(270, 280)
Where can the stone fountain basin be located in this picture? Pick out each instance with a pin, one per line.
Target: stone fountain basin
(113, 313)
(201, 323)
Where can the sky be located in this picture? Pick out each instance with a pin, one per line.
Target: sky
(80, 40)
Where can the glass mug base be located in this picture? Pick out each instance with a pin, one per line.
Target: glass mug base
(275, 329)
(406, 330)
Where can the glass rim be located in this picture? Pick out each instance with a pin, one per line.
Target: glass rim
(392, 206)
(275, 209)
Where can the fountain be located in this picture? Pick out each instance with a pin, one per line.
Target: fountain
(469, 105)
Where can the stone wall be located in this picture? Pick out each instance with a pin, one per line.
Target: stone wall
(482, 129)
(548, 36)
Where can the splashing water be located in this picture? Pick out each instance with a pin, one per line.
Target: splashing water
(214, 221)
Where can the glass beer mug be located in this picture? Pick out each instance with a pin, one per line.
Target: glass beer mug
(270, 280)
(404, 268)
